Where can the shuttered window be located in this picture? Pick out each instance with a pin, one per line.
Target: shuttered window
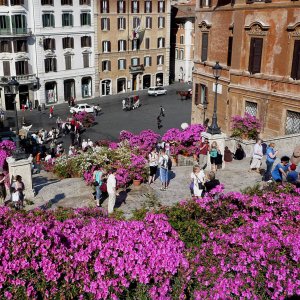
(6, 68)
(50, 64)
(86, 60)
(5, 46)
(106, 46)
(68, 42)
(204, 48)
(161, 6)
(135, 61)
(122, 64)
(122, 45)
(229, 51)
(104, 6)
(148, 6)
(68, 61)
(86, 41)
(148, 22)
(21, 67)
(203, 95)
(160, 60)
(67, 19)
(197, 94)
(48, 20)
(135, 7)
(106, 65)
(256, 45)
(295, 73)
(292, 122)
(121, 23)
(121, 6)
(105, 24)
(85, 19)
(147, 43)
(161, 22)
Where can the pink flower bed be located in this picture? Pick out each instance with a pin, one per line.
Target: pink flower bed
(6, 149)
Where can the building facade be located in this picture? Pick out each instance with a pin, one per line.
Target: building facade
(182, 41)
(258, 45)
(133, 45)
(58, 51)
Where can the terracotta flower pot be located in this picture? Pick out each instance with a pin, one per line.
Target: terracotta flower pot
(136, 182)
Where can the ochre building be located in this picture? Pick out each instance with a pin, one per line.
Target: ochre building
(133, 40)
(258, 45)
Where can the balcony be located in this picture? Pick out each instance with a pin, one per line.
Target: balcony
(22, 79)
(136, 69)
(15, 32)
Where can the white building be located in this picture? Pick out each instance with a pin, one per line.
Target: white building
(58, 57)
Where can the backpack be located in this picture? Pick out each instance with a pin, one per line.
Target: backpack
(164, 164)
(169, 164)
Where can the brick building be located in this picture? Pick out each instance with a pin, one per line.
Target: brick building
(258, 45)
(182, 41)
(133, 44)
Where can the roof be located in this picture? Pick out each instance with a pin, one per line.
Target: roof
(185, 10)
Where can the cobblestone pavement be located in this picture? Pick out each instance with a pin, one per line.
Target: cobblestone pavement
(72, 192)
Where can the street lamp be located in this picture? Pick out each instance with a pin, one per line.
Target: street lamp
(13, 85)
(214, 128)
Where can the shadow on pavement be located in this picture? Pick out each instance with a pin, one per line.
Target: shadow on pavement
(40, 182)
(55, 200)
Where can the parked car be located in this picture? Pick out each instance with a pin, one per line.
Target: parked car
(82, 107)
(157, 90)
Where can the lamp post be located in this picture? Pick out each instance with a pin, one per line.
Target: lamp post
(214, 128)
(13, 85)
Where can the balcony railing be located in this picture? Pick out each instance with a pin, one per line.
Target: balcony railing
(136, 69)
(22, 79)
(15, 31)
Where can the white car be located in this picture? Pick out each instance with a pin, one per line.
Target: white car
(82, 107)
(157, 90)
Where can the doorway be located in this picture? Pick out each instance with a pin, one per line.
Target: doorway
(69, 89)
(134, 82)
(121, 85)
(9, 102)
(146, 81)
(51, 92)
(106, 87)
(86, 86)
(159, 79)
(23, 95)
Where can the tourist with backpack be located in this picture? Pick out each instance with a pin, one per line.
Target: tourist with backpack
(163, 169)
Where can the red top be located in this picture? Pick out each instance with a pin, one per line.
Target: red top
(204, 148)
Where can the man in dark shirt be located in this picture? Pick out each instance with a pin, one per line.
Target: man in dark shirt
(212, 182)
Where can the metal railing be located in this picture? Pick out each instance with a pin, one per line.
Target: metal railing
(15, 31)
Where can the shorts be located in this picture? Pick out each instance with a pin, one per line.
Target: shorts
(164, 175)
(153, 170)
(213, 160)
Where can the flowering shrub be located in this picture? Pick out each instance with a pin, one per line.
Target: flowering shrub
(247, 127)
(6, 149)
(87, 256)
(86, 119)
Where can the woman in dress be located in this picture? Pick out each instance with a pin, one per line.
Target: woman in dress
(18, 187)
(197, 184)
(213, 153)
(153, 163)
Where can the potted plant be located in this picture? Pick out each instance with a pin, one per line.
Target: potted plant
(247, 127)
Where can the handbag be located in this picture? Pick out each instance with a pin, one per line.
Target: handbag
(103, 187)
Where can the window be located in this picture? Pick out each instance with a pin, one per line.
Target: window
(66, 2)
(68, 42)
(135, 62)
(292, 122)
(176, 53)
(21, 67)
(4, 2)
(4, 24)
(147, 43)
(251, 108)
(16, 2)
(160, 60)
(161, 22)
(205, 3)
(86, 60)
(49, 44)
(85, 19)
(197, 94)
(181, 54)
(161, 6)
(19, 24)
(121, 23)
(148, 7)
(86, 41)
(84, 2)
(48, 20)
(121, 7)
(47, 2)
(6, 68)
(256, 45)
(122, 64)
(136, 22)
(181, 40)
(160, 42)
(106, 46)
(204, 48)
(20, 46)
(203, 94)
(121, 45)
(295, 73)
(229, 52)
(67, 19)
(105, 24)
(106, 65)
(147, 61)
(135, 45)
(104, 8)
(135, 7)
(148, 22)
(68, 62)
(50, 64)
(5, 46)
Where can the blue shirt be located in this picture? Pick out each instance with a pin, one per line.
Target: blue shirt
(276, 174)
(292, 177)
(270, 150)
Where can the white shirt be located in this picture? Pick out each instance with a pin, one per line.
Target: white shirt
(161, 159)
(258, 151)
(197, 178)
(90, 143)
(111, 184)
(48, 157)
(84, 145)
(153, 159)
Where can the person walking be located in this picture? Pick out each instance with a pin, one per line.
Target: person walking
(97, 176)
(203, 151)
(271, 154)
(257, 156)
(153, 163)
(111, 190)
(162, 111)
(163, 170)
(197, 184)
(51, 112)
(159, 126)
(213, 153)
